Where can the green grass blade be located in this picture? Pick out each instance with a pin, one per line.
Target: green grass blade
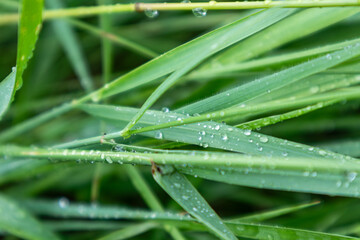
(299, 25)
(88, 211)
(349, 147)
(236, 140)
(105, 23)
(17, 221)
(264, 62)
(6, 90)
(179, 57)
(143, 51)
(259, 217)
(72, 47)
(130, 231)
(264, 232)
(261, 87)
(150, 198)
(29, 29)
(184, 193)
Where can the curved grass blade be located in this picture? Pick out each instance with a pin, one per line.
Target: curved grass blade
(72, 47)
(184, 193)
(29, 29)
(6, 91)
(18, 222)
(130, 231)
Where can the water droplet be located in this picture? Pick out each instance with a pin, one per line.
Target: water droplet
(264, 139)
(63, 202)
(199, 12)
(351, 176)
(224, 137)
(185, 197)
(314, 89)
(165, 110)
(151, 13)
(217, 127)
(203, 133)
(158, 135)
(247, 132)
(108, 160)
(328, 56)
(212, 2)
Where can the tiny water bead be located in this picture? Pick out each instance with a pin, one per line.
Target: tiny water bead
(158, 135)
(247, 132)
(63, 202)
(150, 13)
(199, 12)
(264, 139)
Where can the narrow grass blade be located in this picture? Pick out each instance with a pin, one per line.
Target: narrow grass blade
(143, 51)
(177, 58)
(299, 25)
(29, 29)
(261, 87)
(17, 221)
(72, 47)
(150, 198)
(349, 147)
(259, 217)
(130, 231)
(88, 211)
(6, 90)
(184, 193)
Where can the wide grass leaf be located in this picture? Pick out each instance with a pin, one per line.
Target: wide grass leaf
(17, 221)
(29, 29)
(184, 193)
(6, 90)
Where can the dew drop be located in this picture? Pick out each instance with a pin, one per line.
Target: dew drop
(217, 127)
(151, 13)
(165, 110)
(158, 135)
(199, 12)
(264, 139)
(351, 176)
(108, 160)
(224, 137)
(63, 202)
(247, 132)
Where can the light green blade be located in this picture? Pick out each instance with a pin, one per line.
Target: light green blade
(185, 194)
(18, 222)
(6, 89)
(29, 29)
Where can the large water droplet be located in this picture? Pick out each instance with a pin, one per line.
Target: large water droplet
(151, 13)
(224, 137)
(199, 12)
(351, 176)
(108, 160)
(264, 139)
(165, 109)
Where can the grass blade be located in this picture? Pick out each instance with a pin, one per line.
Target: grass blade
(72, 47)
(183, 192)
(261, 87)
(29, 29)
(130, 231)
(20, 223)
(6, 91)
